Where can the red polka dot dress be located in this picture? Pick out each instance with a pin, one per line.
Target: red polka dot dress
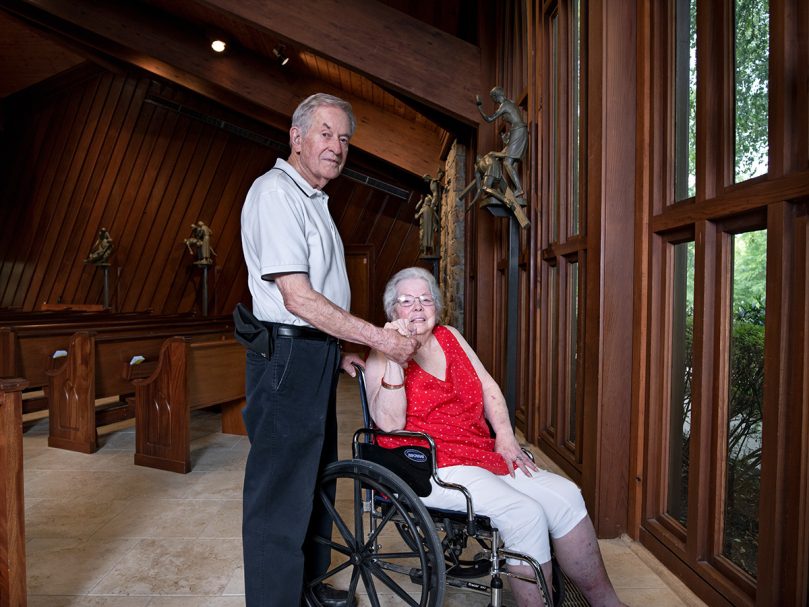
(451, 411)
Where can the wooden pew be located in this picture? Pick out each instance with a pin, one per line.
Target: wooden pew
(98, 366)
(26, 349)
(12, 511)
(190, 375)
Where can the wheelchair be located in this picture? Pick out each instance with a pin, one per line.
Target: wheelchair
(385, 540)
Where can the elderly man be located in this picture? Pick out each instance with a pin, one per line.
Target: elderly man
(297, 277)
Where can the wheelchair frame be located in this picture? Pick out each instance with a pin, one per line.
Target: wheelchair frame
(382, 501)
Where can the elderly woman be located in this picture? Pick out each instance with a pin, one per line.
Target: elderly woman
(446, 392)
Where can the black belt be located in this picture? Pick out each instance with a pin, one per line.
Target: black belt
(296, 331)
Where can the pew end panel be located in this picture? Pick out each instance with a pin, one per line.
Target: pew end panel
(71, 398)
(190, 375)
(12, 508)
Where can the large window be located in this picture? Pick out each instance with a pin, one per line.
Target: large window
(743, 421)
(682, 367)
(685, 101)
(727, 409)
(562, 244)
(751, 61)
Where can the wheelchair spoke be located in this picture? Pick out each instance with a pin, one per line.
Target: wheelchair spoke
(397, 555)
(379, 527)
(333, 545)
(350, 539)
(386, 579)
(368, 580)
(358, 532)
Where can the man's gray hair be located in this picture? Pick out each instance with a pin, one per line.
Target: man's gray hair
(389, 297)
(302, 118)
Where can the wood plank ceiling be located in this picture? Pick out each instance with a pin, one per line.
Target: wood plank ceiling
(386, 57)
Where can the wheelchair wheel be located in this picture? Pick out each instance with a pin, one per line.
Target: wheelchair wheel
(369, 558)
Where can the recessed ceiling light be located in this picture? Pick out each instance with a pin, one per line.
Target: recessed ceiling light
(219, 46)
(280, 54)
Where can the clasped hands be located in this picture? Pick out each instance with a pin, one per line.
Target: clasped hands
(402, 350)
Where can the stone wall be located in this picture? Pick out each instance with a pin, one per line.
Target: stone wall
(451, 275)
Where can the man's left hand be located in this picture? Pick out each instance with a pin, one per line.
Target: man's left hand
(346, 361)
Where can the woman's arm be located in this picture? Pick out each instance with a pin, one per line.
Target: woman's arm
(496, 412)
(388, 406)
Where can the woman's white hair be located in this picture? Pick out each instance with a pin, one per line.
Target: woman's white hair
(389, 297)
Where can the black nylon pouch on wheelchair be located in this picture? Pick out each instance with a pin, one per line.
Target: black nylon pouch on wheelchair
(411, 463)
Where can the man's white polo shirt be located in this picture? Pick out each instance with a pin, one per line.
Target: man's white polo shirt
(287, 228)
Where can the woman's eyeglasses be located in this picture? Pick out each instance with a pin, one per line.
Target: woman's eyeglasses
(407, 301)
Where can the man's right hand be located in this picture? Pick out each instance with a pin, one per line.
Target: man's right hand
(397, 347)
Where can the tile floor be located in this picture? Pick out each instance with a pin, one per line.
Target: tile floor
(102, 532)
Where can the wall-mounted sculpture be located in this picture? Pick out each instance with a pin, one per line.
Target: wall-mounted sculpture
(497, 179)
(428, 212)
(199, 244)
(100, 257)
(101, 250)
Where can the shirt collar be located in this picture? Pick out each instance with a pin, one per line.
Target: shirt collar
(304, 185)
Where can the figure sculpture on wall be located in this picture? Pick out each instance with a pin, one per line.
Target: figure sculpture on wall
(102, 249)
(496, 193)
(491, 189)
(515, 139)
(201, 240)
(427, 212)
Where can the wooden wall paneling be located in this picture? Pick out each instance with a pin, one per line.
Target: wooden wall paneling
(93, 166)
(610, 224)
(530, 380)
(111, 138)
(132, 209)
(231, 286)
(350, 209)
(57, 281)
(117, 142)
(168, 298)
(164, 256)
(118, 194)
(214, 211)
(146, 230)
(21, 228)
(226, 223)
(28, 135)
(48, 253)
(796, 554)
(119, 214)
(774, 461)
(203, 210)
(35, 217)
(185, 289)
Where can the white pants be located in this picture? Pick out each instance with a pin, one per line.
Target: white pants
(525, 510)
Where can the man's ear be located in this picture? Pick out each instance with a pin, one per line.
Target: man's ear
(295, 139)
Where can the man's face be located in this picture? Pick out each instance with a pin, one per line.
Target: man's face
(321, 153)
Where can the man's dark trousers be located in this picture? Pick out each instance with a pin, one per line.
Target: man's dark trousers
(291, 422)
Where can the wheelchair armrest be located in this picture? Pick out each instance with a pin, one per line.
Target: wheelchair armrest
(369, 432)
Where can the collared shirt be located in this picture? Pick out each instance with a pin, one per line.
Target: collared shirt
(287, 228)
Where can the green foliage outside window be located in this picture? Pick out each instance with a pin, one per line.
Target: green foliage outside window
(746, 395)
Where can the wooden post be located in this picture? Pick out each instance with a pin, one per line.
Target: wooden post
(12, 511)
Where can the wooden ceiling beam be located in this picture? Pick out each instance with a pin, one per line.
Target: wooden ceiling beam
(391, 48)
(134, 34)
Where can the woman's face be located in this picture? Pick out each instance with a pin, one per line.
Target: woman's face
(420, 313)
